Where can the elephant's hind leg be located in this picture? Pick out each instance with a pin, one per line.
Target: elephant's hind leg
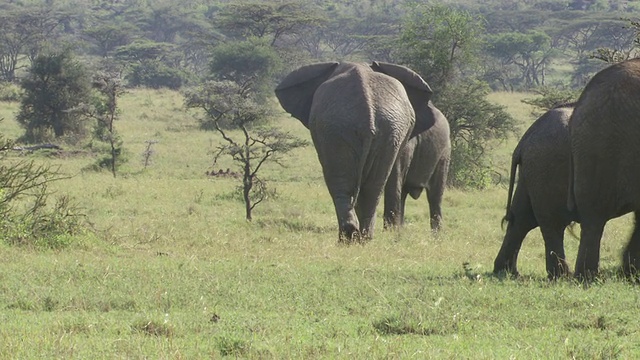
(556, 260)
(366, 207)
(588, 258)
(521, 222)
(436, 192)
(631, 254)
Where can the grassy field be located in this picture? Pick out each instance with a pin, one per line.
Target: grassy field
(171, 270)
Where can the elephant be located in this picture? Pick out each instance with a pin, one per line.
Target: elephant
(359, 116)
(605, 156)
(423, 163)
(540, 199)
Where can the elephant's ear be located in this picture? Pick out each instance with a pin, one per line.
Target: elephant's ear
(418, 90)
(295, 91)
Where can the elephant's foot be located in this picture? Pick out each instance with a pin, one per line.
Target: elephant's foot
(436, 223)
(557, 266)
(502, 268)
(349, 234)
(392, 220)
(585, 274)
(631, 265)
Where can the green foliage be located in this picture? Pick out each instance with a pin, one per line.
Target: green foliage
(56, 84)
(107, 37)
(475, 125)
(155, 74)
(440, 42)
(528, 52)
(251, 64)
(9, 92)
(551, 97)
(269, 20)
(26, 218)
(228, 103)
(104, 110)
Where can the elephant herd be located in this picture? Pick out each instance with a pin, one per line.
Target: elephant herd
(376, 130)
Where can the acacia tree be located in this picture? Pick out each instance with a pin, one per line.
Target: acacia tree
(246, 139)
(529, 52)
(23, 33)
(103, 108)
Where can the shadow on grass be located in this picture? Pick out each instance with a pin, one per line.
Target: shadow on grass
(397, 326)
(293, 225)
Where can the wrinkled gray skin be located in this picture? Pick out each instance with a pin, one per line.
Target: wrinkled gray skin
(421, 164)
(359, 116)
(605, 154)
(540, 199)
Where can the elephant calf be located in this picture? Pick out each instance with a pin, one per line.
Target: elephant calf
(540, 198)
(422, 164)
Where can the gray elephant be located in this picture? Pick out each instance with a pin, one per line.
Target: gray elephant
(540, 199)
(421, 164)
(605, 155)
(359, 116)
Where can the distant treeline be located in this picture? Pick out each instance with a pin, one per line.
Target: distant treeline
(167, 43)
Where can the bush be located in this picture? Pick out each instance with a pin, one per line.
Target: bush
(56, 83)
(155, 74)
(10, 92)
(25, 216)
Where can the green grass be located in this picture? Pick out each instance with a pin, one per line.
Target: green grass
(172, 270)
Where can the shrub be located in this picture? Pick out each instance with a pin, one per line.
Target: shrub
(10, 92)
(155, 74)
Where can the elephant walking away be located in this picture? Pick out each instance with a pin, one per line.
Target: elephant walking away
(421, 164)
(605, 154)
(540, 198)
(359, 116)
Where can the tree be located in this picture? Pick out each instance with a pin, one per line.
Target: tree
(266, 19)
(549, 98)
(104, 110)
(23, 33)
(440, 42)
(443, 45)
(251, 64)
(109, 36)
(25, 217)
(152, 64)
(56, 83)
(253, 144)
(475, 123)
(530, 52)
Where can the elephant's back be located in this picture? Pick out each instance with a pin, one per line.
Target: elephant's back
(605, 141)
(361, 102)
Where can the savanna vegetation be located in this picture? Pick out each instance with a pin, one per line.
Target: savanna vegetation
(133, 132)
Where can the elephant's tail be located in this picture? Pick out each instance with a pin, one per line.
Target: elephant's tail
(515, 161)
(362, 163)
